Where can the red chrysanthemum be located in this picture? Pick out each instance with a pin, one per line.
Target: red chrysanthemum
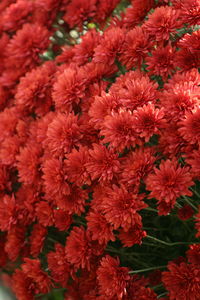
(168, 183)
(100, 229)
(148, 121)
(103, 163)
(110, 46)
(63, 134)
(58, 265)
(37, 238)
(185, 212)
(24, 48)
(68, 90)
(119, 131)
(79, 249)
(78, 11)
(121, 207)
(133, 236)
(16, 15)
(23, 286)
(193, 254)
(135, 48)
(34, 90)
(8, 212)
(44, 214)
(193, 159)
(162, 22)
(190, 11)
(112, 278)
(136, 166)
(182, 281)
(161, 62)
(62, 219)
(76, 166)
(190, 127)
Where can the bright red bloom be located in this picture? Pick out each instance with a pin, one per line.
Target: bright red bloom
(79, 249)
(37, 238)
(133, 236)
(148, 121)
(54, 177)
(190, 127)
(104, 10)
(168, 183)
(32, 269)
(100, 229)
(162, 22)
(78, 11)
(102, 106)
(137, 12)
(63, 134)
(76, 166)
(44, 214)
(8, 212)
(190, 12)
(193, 254)
(136, 166)
(135, 48)
(182, 281)
(193, 159)
(110, 46)
(62, 219)
(112, 278)
(161, 62)
(15, 242)
(58, 265)
(121, 207)
(68, 90)
(103, 164)
(119, 131)
(34, 90)
(23, 286)
(9, 149)
(16, 15)
(28, 162)
(24, 48)
(197, 222)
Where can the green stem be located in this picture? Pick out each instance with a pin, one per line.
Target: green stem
(150, 209)
(161, 295)
(147, 269)
(195, 192)
(120, 67)
(168, 244)
(191, 204)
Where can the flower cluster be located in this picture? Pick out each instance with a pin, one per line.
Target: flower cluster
(100, 148)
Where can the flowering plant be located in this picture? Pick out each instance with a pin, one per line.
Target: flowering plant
(100, 149)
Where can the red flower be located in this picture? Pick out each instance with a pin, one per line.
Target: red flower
(119, 131)
(79, 11)
(58, 265)
(182, 281)
(168, 183)
(68, 90)
(62, 219)
(135, 48)
(190, 12)
(112, 278)
(103, 164)
(79, 249)
(34, 90)
(37, 238)
(148, 121)
(193, 159)
(24, 48)
(110, 46)
(190, 127)
(32, 269)
(193, 254)
(162, 22)
(121, 207)
(54, 177)
(63, 134)
(76, 166)
(185, 212)
(15, 242)
(99, 227)
(161, 62)
(133, 236)
(23, 286)
(136, 166)
(16, 15)
(44, 214)
(8, 212)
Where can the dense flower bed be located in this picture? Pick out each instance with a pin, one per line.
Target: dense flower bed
(100, 149)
